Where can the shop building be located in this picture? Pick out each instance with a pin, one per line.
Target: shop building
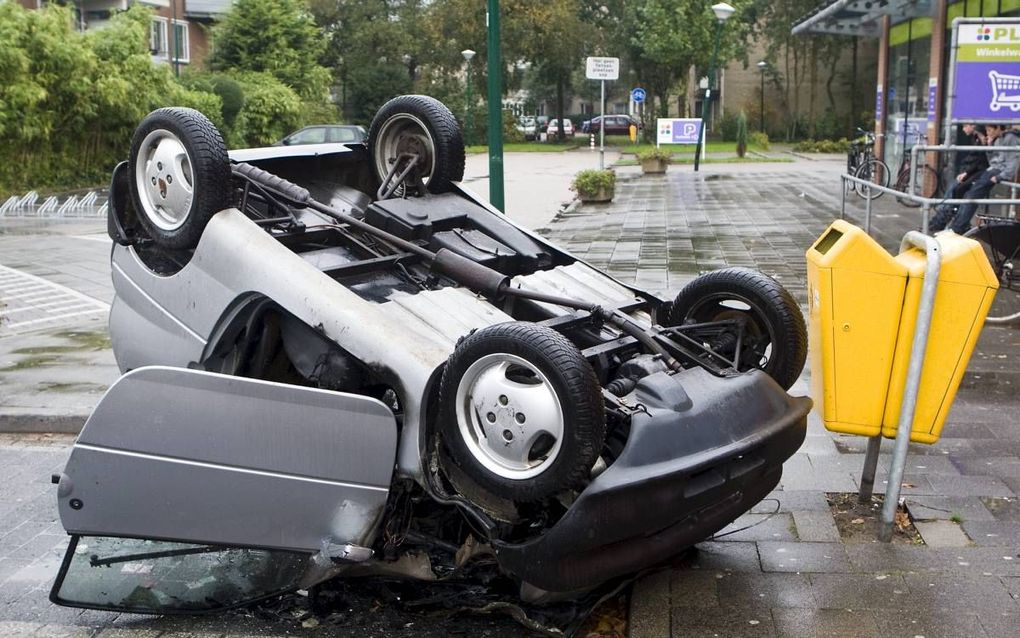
(915, 36)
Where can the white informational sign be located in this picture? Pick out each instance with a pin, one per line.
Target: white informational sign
(602, 68)
(677, 130)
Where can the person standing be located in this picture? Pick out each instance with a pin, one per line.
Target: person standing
(1002, 166)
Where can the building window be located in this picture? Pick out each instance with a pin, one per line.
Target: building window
(157, 37)
(181, 45)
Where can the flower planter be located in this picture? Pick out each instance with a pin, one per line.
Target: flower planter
(601, 195)
(654, 166)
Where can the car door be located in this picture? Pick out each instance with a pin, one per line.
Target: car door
(204, 491)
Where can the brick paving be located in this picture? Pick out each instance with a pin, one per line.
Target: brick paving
(792, 575)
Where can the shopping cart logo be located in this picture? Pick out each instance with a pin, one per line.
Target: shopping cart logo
(1005, 91)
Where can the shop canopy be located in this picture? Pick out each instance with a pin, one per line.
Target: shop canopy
(860, 17)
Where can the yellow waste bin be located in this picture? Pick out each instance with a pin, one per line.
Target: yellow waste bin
(962, 299)
(855, 296)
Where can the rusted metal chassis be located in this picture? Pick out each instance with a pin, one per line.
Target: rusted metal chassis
(678, 350)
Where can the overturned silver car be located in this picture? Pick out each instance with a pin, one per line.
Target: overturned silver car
(338, 361)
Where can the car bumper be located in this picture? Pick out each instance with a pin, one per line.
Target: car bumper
(706, 451)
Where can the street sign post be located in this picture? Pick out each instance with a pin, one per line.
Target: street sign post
(602, 69)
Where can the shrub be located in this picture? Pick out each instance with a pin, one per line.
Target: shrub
(69, 102)
(728, 127)
(588, 182)
(741, 134)
(655, 153)
(271, 110)
(822, 146)
(760, 140)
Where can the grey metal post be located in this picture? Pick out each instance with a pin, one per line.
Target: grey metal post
(870, 467)
(925, 216)
(950, 96)
(867, 211)
(602, 130)
(909, 404)
(842, 204)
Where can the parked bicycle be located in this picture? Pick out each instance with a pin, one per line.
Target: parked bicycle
(872, 169)
(1000, 239)
(861, 153)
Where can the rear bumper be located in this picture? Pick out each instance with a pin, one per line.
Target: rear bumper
(690, 468)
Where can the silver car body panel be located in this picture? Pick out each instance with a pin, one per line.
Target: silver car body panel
(167, 320)
(193, 456)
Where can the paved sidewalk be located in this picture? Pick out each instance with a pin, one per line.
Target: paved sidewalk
(792, 575)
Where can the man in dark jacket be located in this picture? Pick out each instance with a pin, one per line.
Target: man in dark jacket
(971, 164)
(1001, 166)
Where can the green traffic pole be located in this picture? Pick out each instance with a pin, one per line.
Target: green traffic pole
(495, 66)
(708, 94)
(470, 119)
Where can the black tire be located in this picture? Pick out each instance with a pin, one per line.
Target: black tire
(569, 383)
(775, 339)
(927, 183)
(1000, 242)
(172, 219)
(876, 171)
(418, 123)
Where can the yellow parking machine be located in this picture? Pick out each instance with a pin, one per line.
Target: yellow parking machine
(855, 298)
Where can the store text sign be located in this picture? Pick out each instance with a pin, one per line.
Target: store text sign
(987, 73)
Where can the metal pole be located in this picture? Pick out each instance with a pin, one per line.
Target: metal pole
(495, 69)
(925, 216)
(870, 467)
(842, 204)
(708, 94)
(909, 405)
(951, 82)
(602, 129)
(173, 31)
(469, 114)
(867, 211)
(761, 124)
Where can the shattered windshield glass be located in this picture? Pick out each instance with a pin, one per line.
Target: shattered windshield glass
(124, 574)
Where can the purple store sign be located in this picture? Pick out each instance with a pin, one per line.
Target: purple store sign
(933, 86)
(987, 73)
(879, 114)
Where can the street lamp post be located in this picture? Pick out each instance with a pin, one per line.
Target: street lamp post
(722, 13)
(468, 114)
(495, 95)
(761, 67)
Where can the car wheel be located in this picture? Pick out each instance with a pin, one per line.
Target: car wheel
(424, 126)
(180, 175)
(522, 411)
(774, 338)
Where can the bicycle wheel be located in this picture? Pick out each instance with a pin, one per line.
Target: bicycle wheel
(875, 171)
(926, 183)
(1001, 243)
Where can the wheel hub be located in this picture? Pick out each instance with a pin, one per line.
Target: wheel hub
(164, 180)
(510, 416)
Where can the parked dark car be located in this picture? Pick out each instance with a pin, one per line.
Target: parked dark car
(615, 124)
(326, 134)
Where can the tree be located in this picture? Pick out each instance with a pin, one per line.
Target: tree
(69, 102)
(665, 39)
(278, 37)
